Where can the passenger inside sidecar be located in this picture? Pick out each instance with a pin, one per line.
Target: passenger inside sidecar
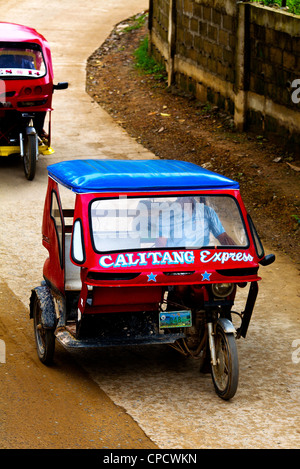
(20, 61)
(170, 222)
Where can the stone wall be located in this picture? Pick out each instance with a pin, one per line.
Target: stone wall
(243, 57)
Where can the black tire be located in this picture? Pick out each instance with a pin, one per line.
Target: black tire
(44, 338)
(225, 374)
(204, 360)
(30, 155)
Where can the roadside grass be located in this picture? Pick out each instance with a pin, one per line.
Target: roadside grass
(146, 63)
(137, 22)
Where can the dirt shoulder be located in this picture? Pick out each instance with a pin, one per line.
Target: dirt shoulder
(56, 407)
(174, 125)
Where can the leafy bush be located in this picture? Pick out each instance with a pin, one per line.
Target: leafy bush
(293, 5)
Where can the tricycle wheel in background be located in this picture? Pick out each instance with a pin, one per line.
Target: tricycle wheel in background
(44, 338)
(225, 374)
(30, 156)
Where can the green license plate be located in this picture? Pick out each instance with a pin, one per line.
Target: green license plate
(175, 319)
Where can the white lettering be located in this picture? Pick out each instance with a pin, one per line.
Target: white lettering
(154, 256)
(130, 260)
(114, 459)
(207, 256)
(121, 261)
(218, 256)
(167, 259)
(225, 257)
(178, 257)
(145, 259)
(189, 257)
(103, 263)
(296, 93)
(169, 458)
(203, 256)
(171, 258)
(142, 257)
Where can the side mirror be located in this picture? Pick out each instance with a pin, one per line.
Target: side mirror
(267, 260)
(63, 85)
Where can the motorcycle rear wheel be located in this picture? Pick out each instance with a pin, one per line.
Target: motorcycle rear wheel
(225, 374)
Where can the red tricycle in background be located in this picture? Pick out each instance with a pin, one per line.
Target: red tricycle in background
(26, 88)
(146, 252)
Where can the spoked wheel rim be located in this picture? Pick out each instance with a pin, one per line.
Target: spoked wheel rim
(225, 373)
(221, 371)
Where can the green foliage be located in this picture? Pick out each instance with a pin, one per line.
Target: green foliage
(297, 218)
(293, 5)
(146, 64)
(137, 22)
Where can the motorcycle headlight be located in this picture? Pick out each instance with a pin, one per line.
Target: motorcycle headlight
(222, 289)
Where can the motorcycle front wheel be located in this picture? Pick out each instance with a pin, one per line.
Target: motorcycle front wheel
(30, 156)
(225, 374)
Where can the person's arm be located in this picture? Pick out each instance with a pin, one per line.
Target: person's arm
(161, 242)
(218, 229)
(225, 239)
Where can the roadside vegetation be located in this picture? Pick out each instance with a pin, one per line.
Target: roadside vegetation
(146, 63)
(137, 22)
(293, 6)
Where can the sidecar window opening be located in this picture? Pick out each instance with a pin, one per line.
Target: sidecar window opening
(56, 216)
(21, 61)
(136, 223)
(257, 241)
(78, 249)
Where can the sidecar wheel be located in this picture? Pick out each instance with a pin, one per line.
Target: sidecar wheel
(225, 374)
(30, 155)
(44, 338)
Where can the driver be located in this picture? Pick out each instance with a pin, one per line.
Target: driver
(190, 224)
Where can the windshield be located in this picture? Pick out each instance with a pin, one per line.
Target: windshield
(169, 222)
(24, 61)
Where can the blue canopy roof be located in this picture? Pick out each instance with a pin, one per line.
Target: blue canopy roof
(89, 175)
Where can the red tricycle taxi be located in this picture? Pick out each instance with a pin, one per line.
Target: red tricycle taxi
(149, 252)
(26, 88)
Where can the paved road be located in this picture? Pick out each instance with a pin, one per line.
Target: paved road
(136, 397)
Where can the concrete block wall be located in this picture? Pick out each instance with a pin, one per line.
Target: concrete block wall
(240, 56)
(161, 19)
(275, 55)
(274, 67)
(206, 36)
